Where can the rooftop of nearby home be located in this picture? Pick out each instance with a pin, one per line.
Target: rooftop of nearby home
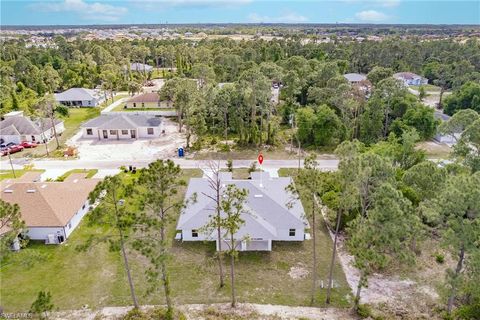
(49, 204)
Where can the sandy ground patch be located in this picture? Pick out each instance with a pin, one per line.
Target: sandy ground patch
(400, 296)
(195, 312)
(161, 147)
(298, 272)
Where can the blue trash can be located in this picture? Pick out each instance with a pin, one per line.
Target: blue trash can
(180, 152)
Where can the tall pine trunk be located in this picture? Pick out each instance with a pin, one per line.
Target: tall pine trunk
(127, 269)
(52, 119)
(458, 269)
(219, 239)
(165, 278)
(359, 290)
(332, 261)
(124, 254)
(314, 237)
(232, 271)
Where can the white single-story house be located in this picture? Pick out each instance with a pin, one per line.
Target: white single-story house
(122, 127)
(147, 100)
(140, 67)
(445, 138)
(51, 210)
(17, 128)
(410, 79)
(271, 213)
(355, 78)
(80, 97)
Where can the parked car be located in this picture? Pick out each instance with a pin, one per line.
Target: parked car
(11, 144)
(12, 149)
(27, 144)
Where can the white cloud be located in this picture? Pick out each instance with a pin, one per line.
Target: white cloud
(381, 3)
(87, 11)
(160, 4)
(371, 16)
(286, 18)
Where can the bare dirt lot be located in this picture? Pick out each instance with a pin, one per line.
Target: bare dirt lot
(161, 147)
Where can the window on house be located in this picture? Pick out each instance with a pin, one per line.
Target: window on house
(113, 132)
(69, 226)
(143, 105)
(124, 132)
(194, 233)
(89, 132)
(291, 232)
(150, 130)
(83, 207)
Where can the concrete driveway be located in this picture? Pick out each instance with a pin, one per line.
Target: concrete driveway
(161, 147)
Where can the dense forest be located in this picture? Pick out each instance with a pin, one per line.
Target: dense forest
(314, 96)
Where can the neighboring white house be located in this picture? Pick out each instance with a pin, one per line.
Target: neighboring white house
(17, 128)
(410, 79)
(80, 97)
(122, 127)
(140, 67)
(445, 138)
(271, 213)
(355, 78)
(147, 100)
(51, 210)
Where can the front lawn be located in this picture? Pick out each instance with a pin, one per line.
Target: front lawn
(8, 174)
(89, 173)
(427, 87)
(97, 278)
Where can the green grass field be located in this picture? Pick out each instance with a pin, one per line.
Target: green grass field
(8, 174)
(89, 173)
(96, 278)
(428, 87)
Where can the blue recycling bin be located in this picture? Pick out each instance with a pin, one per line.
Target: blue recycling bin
(180, 152)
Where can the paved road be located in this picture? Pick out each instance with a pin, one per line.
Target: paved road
(187, 164)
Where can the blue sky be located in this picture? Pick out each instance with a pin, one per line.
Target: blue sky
(78, 12)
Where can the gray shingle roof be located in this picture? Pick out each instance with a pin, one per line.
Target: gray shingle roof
(120, 121)
(140, 67)
(270, 207)
(23, 125)
(355, 77)
(78, 94)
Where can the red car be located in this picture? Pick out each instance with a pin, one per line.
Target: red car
(27, 144)
(12, 149)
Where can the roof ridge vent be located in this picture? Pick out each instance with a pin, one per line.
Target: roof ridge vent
(8, 191)
(258, 196)
(31, 191)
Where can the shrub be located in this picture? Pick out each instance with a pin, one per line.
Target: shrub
(224, 147)
(364, 311)
(213, 141)
(253, 167)
(439, 258)
(230, 165)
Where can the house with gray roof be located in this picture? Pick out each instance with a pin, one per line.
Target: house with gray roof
(140, 67)
(80, 97)
(355, 78)
(410, 79)
(17, 128)
(270, 213)
(122, 127)
(448, 139)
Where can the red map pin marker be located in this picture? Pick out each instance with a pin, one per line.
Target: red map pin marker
(260, 158)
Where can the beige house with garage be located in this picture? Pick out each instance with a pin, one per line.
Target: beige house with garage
(122, 127)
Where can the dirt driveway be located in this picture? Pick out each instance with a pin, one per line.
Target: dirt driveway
(161, 147)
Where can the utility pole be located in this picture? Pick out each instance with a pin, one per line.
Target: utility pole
(11, 164)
